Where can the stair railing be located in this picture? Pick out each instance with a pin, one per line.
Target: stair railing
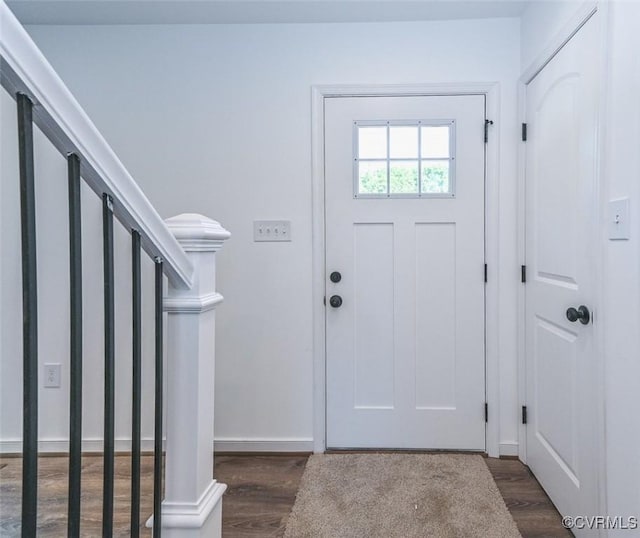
(183, 249)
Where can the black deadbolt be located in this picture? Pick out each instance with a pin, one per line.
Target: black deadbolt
(335, 277)
(335, 301)
(582, 314)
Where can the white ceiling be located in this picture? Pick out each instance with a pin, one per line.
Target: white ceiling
(255, 11)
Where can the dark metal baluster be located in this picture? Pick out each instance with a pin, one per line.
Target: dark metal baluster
(75, 409)
(157, 463)
(109, 369)
(137, 384)
(29, 319)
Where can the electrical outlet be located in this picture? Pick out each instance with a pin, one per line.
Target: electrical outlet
(52, 376)
(272, 230)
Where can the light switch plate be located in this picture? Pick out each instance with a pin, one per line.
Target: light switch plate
(272, 230)
(619, 227)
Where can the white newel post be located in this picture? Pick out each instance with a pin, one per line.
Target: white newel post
(192, 504)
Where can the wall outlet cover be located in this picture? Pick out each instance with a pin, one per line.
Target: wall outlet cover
(52, 376)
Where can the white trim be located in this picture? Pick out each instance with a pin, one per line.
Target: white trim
(584, 13)
(264, 445)
(192, 305)
(191, 515)
(402, 90)
(492, 251)
(509, 449)
(600, 291)
(14, 446)
(521, 297)
(318, 269)
(318, 94)
(66, 124)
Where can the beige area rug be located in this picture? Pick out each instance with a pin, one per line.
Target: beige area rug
(399, 495)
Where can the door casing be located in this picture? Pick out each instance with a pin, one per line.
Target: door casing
(582, 15)
(319, 93)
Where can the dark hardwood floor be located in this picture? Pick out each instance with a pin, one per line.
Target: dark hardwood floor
(262, 490)
(52, 496)
(530, 507)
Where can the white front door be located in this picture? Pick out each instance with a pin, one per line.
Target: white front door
(404, 202)
(561, 247)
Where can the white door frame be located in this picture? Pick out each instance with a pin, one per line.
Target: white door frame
(583, 13)
(318, 94)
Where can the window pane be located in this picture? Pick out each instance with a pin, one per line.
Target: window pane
(435, 142)
(435, 177)
(403, 142)
(372, 142)
(403, 177)
(372, 177)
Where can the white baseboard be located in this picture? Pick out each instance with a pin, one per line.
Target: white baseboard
(508, 449)
(263, 445)
(124, 445)
(220, 445)
(62, 445)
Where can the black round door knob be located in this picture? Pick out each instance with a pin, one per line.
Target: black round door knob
(581, 313)
(335, 277)
(335, 301)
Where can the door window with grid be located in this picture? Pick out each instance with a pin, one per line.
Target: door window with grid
(404, 159)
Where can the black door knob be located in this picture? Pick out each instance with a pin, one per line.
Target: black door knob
(581, 313)
(335, 277)
(335, 301)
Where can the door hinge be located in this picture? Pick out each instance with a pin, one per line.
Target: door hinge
(485, 273)
(523, 273)
(486, 412)
(524, 414)
(324, 300)
(524, 132)
(486, 130)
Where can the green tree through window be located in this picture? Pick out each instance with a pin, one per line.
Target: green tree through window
(404, 179)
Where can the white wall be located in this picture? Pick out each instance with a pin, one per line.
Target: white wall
(620, 177)
(541, 22)
(216, 120)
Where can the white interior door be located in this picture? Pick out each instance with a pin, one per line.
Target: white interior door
(404, 201)
(560, 249)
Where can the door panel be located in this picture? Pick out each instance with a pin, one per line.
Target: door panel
(405, 350)
(373, 270)
(435, 380)
(560, 240)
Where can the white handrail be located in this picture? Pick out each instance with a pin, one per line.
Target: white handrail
(23, 68)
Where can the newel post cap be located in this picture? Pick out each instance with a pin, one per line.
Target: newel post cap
(197, 233)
